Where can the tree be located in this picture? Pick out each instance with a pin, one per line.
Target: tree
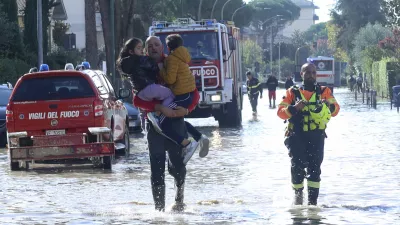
(252, 53)
(392, 9)
(30, 20)
(322, 48)
(10, 40)
(265, 16)
(315, 32)
(392, 44)
(123, 25)
(338, 53)
(91, 33)
(59, 30)
(368, 36)
(351, 15)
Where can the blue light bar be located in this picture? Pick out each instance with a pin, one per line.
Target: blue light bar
(160, 25)
(44, 67)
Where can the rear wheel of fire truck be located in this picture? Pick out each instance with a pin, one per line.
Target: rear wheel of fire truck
(233, 115)
(15, 166)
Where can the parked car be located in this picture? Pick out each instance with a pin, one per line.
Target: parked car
(135, 124)
(5, 92)
(56, 115)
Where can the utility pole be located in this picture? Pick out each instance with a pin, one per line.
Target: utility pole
(279, 75)
(182, 9)
(270, 51)
(212, 11)
(39, 32)
(112, 28)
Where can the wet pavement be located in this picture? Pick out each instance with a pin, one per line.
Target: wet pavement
(245, 179)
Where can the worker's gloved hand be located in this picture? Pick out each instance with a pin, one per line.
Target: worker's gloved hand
(260, 96)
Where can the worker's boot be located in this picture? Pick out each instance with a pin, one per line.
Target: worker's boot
(159, 197)
(179, 206)
(298, 196)
(273, 104)
(313, 195)
(270, 103)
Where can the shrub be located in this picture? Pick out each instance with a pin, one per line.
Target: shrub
(12, 69)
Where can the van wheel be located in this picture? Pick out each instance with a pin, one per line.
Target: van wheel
(107, 162)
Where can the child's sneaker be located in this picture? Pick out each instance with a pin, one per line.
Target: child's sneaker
(189, 150)
(204, 146)
(155, 121)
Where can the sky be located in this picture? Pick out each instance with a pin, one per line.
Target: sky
(324, 11)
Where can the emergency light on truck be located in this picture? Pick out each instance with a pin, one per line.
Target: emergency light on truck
(216, 98)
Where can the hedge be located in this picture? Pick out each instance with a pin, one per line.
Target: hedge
(12, 69)
(385, 74)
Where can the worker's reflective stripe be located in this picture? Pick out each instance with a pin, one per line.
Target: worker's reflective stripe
(255, 86)
(332, 100)
(313, 184)
(284, 104)
(288, 113)
(298, 186)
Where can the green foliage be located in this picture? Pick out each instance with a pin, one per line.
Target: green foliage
(10, 40)
(392, 8)
(252, 53)
(30, 21)
(368, 56)
(59, 31)
(299, 39)
(384, 75)
(287, 68)
(351, 15)
(10, 7)
(12, 69)
(338, 53)
(369, 35)
(57, 59)
(316, 32)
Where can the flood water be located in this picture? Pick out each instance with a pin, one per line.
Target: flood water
(245, 179)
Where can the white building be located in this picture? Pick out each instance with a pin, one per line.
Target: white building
(305, 21)
(76, 19)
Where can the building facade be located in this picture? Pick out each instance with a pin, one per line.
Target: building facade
(305, 21)
(76, 20)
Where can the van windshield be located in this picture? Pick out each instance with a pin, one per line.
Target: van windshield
(53, 88)
(201, 45)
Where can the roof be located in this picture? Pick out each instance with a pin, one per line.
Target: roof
(57, 13)
(305, 4)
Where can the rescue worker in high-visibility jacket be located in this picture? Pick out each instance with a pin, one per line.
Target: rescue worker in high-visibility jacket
(254, 89)
(308, 109)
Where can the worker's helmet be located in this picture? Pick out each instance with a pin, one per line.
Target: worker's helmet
(321, 114)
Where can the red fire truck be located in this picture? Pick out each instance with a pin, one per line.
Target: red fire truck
(216, 64)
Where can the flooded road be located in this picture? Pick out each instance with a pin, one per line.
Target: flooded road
(245, 179)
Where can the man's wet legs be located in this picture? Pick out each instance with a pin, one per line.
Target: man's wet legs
(254, 102)
(315, 155)
(157, 165)
(176, 167)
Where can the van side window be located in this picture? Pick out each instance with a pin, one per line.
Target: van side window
(104, 79)
(99, 85)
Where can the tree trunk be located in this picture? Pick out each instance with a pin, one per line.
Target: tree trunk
(105, 20)
(91, 33)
